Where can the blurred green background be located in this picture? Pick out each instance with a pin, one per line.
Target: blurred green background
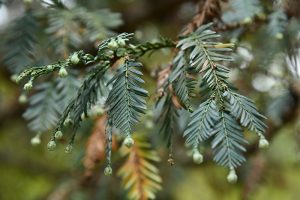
(30, 172)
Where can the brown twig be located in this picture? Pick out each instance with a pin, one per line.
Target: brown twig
(207, 11)
(136, 14)
(254, 175)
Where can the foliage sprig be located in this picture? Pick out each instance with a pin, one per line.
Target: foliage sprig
(221, 115)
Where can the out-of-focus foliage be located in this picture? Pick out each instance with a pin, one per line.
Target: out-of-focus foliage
(265, 69)
(240, 11)
(62, 30)
(48, 103)
(23, 37)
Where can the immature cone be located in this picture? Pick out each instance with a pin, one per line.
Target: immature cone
(14, 77)
(263, 143)
(197, 157)
(129, 142)
(112, 44)
(51, 145)
(23, 99)
(108, 171)
(68, 121)
(58, 135)
(232, 177)
(149, 124)
(62, 72)
(75, 59)
(69, 149)
(279, 36)
(247, 20)
(35, 141)
(99, 111)
(28, 85)
(121, 42)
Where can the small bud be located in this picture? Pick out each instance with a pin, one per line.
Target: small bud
(49, 67)
(261, 15)
(62, 72)
(263, 143)
(121, 42)
(108, 171)
(28, 85)
(197, 157)
(68, 122)
(171, 161)
(247, 20)
(112, 44)
(149, 124)
(232, 177)
(75, 59)
(58, 135)
(35, 141)
(99, 111)
(14, 77)
(51, 145)
(279, 36)
(23, 99)
(128, 142)
(69, 149)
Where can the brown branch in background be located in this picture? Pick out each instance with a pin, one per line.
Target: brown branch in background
(141, 11)
(163, 85)
(162, 79)
(254, 175)
(207, 11)
(63, 191)
(95, 148)
(292, 8)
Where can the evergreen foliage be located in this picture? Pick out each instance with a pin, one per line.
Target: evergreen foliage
(101, 76)
(47, 104)
(125, 101)
(216, 117)
(65, 24)
(199, 53)
(240, 11)
(23, 38)
(110, 78)
(277, 23)
(168, 116)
